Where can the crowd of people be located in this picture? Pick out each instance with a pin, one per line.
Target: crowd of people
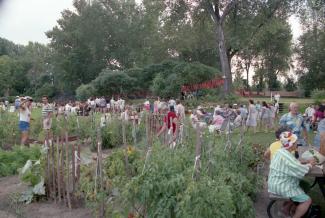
(286, 166)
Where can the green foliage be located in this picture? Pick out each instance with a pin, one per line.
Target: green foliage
(9, 132)
(231, 99)
(318, 95)
(161, 184)
(11, 161)
(116, 174)
(290, 85)
(168, 82)
(47, 90)
(32, 175)
(113, 82)
(84, 92)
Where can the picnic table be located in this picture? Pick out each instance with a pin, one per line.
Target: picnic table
(319, 174)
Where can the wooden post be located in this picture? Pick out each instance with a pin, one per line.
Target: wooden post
(53, 170)
(78, 162)
(147, 128)
(198, 149)
(62, 173)
(68, 170)
(58, 167)
(99, 172)
(73, 167)
(47, 170)
(123, 132)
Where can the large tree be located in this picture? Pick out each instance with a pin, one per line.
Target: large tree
(311, 46)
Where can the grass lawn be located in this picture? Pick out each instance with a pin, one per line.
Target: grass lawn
(302, 101)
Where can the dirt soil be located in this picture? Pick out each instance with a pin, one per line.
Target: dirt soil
(9, 209)
(262, 199)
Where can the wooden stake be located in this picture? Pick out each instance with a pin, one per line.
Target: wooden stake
(73, 168)
(53, 170)
(58, 167)
(62, 173)
(47, 170)
(78, 162)
(68, 170)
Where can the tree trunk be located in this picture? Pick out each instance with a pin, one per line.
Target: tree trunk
(247, 67)
(225, 65)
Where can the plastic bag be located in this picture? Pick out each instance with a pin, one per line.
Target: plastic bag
(312, 153)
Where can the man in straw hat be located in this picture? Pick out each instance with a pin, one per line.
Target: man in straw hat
(285, 175)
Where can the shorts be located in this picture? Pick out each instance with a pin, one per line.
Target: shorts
(23, 126)
(300, 198)
(47, 124)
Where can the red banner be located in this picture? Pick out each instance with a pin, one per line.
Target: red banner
(205, 85)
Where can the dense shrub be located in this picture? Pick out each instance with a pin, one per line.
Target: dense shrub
(318, 95)
(11, 161)
(84, 92)
(161, 184)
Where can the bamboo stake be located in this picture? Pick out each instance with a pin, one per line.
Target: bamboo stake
(53, 170)
(62, 171)
(198, 150)
(68, 170)
(99, 158)
(58, 167)
(78, 162)
(47, 171)
(73, 167)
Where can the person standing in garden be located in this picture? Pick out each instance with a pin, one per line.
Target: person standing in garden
(295, 121)
(285, 175)
(47, 113)
(169, 125)
(243, 114)
(17, 103)
(180, 111)
(252, 116)
(25, 110)
(320, 135)
(265, 116)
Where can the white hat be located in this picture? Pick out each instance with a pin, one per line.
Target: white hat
(288, 139)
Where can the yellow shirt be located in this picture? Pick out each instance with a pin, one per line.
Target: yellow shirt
(274, 147)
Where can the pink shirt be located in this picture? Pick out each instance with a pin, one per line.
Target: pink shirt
(218, 120)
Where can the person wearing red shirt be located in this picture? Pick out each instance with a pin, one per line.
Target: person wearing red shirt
(169, 121)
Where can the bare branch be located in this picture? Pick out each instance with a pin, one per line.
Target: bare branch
(212, 11)
(216, 9)
(227, 9)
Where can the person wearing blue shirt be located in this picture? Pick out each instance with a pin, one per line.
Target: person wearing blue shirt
(17, 103)
(295, 121)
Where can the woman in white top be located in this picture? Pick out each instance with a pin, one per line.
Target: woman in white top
(252, 116)
(265, 116)
(24, 119)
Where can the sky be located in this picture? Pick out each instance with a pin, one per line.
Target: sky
(22, 21)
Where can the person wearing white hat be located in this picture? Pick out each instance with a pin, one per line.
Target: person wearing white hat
(285, 175)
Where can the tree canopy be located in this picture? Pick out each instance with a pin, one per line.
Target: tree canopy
(159, 45)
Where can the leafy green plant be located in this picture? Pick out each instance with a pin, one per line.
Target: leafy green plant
(32, 174)
(11, 161)
(318, 95)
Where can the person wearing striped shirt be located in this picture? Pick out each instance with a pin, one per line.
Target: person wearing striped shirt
(47, 112)
(285, 175)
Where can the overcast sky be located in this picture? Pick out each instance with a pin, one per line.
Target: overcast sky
(22, 21)
(27, 20)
